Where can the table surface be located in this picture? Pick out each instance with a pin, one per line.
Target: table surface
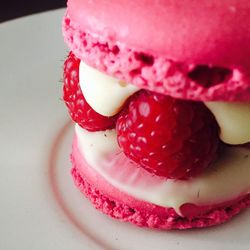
(11, 9)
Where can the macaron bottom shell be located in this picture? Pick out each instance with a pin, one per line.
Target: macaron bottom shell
(119, 205)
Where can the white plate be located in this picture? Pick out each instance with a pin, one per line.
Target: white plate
(40, 207)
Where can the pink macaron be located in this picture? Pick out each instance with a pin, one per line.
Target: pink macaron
(175, 57)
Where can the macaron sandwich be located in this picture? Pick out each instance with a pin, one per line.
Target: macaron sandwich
(160, 95)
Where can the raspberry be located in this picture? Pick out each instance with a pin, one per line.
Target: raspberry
(168, 137)
(79, 109)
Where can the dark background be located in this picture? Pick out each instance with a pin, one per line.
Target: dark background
(12, 9)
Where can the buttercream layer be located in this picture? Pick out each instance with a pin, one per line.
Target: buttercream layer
(226, 180)
(156, 72)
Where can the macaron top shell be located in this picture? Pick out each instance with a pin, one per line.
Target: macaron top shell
(200, 32)
(194, 50)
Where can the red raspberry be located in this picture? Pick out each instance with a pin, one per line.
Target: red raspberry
(168, 137)
(79, 109)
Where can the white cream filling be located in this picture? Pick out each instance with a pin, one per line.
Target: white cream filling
(104, 94)
(233, 119)
(226, 179)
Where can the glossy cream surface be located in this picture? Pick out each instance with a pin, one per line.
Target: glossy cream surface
(233, 119)
(105, 94)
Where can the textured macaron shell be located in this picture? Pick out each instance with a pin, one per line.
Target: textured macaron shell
(199, 32)
(122, 206)
(167, 68)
